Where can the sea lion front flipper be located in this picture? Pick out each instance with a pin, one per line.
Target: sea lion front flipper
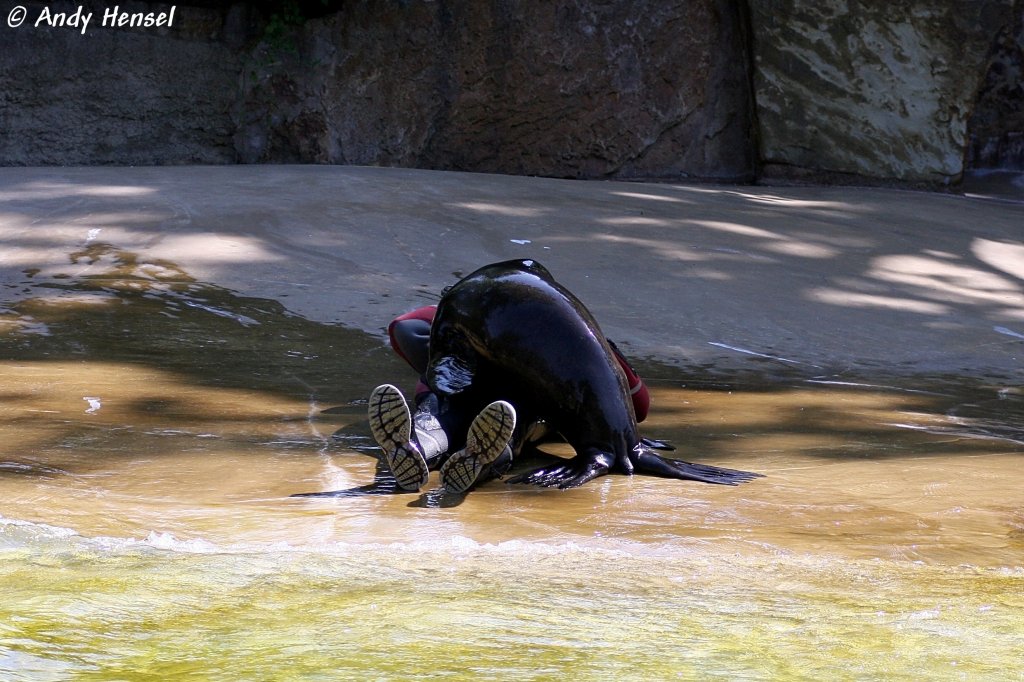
(569, 474)
(648, 462)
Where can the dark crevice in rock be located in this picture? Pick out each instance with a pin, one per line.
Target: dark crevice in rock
(996, 128)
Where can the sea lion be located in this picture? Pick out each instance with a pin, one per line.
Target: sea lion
(509, 331)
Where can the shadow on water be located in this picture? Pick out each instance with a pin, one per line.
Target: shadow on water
(383, 484)
(191, 347)
(151, 312)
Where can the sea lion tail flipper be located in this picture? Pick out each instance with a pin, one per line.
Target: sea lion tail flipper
(648, 462)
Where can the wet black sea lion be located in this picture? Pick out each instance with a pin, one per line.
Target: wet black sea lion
(509, 331)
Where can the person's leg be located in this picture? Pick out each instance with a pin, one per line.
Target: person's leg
(392, 428)
(430, 431)
(487, 452)
(413, 444)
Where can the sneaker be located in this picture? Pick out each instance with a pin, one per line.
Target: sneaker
(391, 425)
(488, 435)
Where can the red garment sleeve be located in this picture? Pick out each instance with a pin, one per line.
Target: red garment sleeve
(637, 389)
(424, 314)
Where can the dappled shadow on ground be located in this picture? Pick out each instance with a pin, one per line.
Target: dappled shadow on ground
(825, 281)
(876, 280)
(139, 344)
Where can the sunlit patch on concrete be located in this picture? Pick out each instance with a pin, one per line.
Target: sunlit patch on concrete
(853, 299)
(502, 209)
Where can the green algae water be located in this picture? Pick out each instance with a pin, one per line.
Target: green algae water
(154, 431)
(160, 608)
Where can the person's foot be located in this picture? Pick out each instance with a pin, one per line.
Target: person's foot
(488, 435)
(391, 425)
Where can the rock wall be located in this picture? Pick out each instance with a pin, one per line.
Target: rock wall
(117, 95)
(877, 89)
(570, 88)
(725, 89)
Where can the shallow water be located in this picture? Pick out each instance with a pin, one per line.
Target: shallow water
(153, 429)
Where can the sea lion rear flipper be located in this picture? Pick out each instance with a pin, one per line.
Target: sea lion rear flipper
(648, 462)
(657, 444)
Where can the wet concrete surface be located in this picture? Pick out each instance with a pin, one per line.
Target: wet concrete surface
(840, 283)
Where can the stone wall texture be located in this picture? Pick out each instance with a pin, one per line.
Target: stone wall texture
(116, 96)
(903, 90)
(578, 89)
(880, 89)
(997, 123)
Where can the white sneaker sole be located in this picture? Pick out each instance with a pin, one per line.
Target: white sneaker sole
(488, 435)
(391, 425)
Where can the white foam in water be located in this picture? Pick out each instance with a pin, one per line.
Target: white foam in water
(169, 542)
(28, 535)
(39, 529)
(36, 668)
